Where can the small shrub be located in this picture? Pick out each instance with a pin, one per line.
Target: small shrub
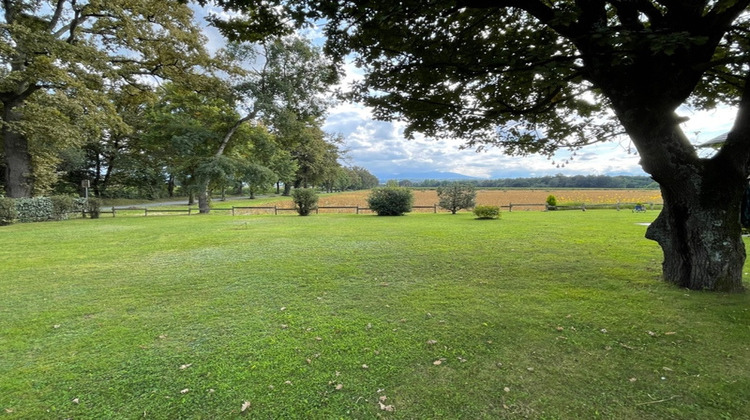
(391, 200)
(94, 207)
(487, 212)
(8, 213)
(551, 200)
(61, 206)
(305, 200)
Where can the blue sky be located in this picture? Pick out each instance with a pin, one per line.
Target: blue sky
(381, 147)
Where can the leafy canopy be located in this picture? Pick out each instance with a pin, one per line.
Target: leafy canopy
(530, 76)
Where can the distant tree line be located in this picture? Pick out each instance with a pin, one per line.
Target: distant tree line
(556, 181)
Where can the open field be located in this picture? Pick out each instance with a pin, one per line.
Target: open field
(502, 197)
(554, 315)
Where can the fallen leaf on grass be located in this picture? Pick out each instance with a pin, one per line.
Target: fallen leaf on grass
(339, 387)
(288, 382)
(431, 342)
(245, 406)
(183, 367)
(365, 367)
(76, 401)
(506, 389)
(8, 410)
(670, 333)
(185, 391)
(384, 407)
(284, 326)
(437, 362)
(56, 326)
(632, 379)
(651, 333)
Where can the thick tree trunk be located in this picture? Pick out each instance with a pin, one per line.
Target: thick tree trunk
(19, 179)
(700, 234)
(699, 227)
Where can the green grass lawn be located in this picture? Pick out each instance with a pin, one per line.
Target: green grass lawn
(554, 315)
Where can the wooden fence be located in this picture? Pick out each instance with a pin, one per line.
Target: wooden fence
(157, 211)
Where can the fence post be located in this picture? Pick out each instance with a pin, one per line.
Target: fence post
(232, 210)
(618, 205)
(357, 208)
(583, 206)
(317, 210)
(510, 207)
(435, 206)
(113, 212)
(275, 210)
(145, 211)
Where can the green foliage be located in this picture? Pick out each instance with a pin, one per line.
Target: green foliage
(37, 209)
(390, 200)
(551, 200)
(457, 196)
(93, 207)
(258, 178)
(61, 60)
(8, 212)
(62, 205)
(487, 212)
(305, 200)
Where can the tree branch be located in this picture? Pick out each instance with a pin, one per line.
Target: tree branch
(737, 147)
(232, 130)
(56, 16)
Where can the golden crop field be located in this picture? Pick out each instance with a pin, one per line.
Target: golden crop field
(517, 197)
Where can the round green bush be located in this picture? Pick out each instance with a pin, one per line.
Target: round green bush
(487, 212)
(93, 207)
(390, 200)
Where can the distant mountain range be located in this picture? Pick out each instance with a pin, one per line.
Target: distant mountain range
(421, 176)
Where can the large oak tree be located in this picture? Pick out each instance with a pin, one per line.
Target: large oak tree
(534, 76)
(58, 58)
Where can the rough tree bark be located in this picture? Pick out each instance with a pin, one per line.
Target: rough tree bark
(18, 171)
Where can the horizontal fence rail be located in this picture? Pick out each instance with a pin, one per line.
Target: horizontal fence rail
(235, 210)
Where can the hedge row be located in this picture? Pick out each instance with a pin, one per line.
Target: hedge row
(42, 209)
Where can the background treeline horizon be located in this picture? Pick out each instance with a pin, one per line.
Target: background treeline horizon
(551, 181)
